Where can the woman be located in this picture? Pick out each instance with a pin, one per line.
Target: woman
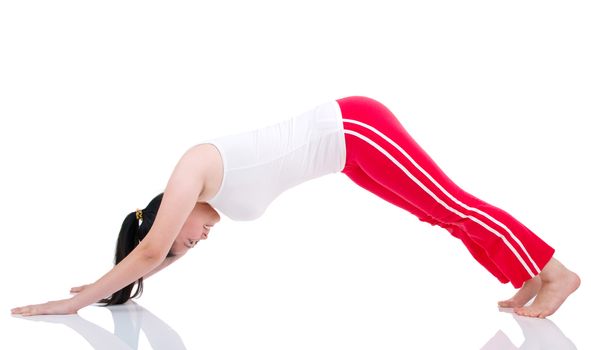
(241, 174)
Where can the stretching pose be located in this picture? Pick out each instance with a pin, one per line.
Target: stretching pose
(241, 174)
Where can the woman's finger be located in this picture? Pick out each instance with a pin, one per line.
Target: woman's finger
(26, 310)
(57, 307)
(20, 309)
(77, 289)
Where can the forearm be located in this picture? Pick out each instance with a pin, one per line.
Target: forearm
(129, 270)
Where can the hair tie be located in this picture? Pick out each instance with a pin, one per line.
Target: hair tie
(138, 214)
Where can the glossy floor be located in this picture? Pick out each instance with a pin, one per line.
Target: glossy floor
(134, 326)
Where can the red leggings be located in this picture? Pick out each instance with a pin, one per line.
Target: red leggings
(384, 159)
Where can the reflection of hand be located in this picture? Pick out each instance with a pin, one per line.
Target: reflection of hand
(79, 289)
(128, 319)
(57, 307)
(96, 336)
(67, 320)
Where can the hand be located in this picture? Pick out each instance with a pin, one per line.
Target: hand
(57, 307)
(78, 289)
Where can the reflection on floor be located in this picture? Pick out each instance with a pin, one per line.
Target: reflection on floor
(539, 334)
(131, 317)
(128, 319)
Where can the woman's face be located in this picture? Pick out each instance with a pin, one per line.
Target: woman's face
(196, 227)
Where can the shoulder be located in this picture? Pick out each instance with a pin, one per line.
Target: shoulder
(205, 153)
(210, 164)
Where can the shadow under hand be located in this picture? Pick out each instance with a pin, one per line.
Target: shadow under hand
(129, 319)
(539, 334)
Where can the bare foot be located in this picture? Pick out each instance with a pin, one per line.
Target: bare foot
(529, 290)
(558, 283)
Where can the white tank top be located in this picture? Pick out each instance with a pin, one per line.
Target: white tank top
(262, 163)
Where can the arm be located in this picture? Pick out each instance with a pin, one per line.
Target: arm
(180, 196)
(164, 264)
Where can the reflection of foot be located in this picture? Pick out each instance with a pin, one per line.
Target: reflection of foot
(526, 293)
(542, 334)
(558, 283)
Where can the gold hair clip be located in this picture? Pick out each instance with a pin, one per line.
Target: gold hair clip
(138, 214)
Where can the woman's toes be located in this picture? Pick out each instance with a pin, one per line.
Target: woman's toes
(520, 311)
(507, 303)
(529, 312)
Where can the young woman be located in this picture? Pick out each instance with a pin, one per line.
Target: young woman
(357, 136)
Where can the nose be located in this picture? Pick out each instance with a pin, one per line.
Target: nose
(205, 232)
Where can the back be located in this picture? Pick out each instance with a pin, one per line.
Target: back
(262, 163)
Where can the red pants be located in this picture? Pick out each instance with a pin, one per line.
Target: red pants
(384, 159)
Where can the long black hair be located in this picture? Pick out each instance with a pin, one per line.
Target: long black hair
(132, 232)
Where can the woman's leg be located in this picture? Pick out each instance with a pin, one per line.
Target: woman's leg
(362, 179)
(378, 144)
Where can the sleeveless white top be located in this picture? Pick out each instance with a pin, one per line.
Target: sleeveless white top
(262, 163)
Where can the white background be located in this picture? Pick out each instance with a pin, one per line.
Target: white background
(98, 101)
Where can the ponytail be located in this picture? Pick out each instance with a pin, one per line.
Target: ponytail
(131, 234)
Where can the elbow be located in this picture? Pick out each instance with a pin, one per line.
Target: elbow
(152, 254)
